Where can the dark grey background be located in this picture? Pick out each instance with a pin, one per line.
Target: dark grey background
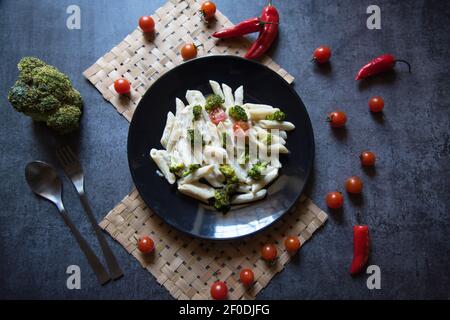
(405, 201)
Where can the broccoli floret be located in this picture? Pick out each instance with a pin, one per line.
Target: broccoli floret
(191, 169)
(238, 113)
(197, 111)
(45, 94)
(177, 169)
(256, 170)
(229, 173)
(221, 200)
(65, 119)
(222, 197)
(277, 116)
(26, 67)
(212, 102)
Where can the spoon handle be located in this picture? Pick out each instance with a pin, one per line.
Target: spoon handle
(96, 265)
(111, 261)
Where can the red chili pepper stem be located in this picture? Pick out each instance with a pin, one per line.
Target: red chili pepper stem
(406, 62)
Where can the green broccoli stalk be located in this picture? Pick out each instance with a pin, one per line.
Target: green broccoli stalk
(45, 94)
(256, 170)
(197, 112)
(277, 116)
(212, 102)
(238, 113)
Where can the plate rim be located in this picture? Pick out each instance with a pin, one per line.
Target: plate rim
(307, 175)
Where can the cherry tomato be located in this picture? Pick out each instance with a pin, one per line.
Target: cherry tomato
(147, 24)
(146, 244)
(122, 86)
(322, 54)
(189, 51)
(354, 185)
(376, 104)
(334, 200)
(292, 244)
(247, 277)
(337, 119)
(269, 252)
(219, 290)
(243, 125)
(367, 158)
(208, 9)
(217, 116)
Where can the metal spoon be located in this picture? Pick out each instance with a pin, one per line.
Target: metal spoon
(45, 182)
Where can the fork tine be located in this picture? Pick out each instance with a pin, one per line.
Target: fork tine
(60, 156)
(72, 155)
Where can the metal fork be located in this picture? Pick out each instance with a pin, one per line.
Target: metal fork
(74, 171)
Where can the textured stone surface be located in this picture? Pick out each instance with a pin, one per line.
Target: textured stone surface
(405, 202)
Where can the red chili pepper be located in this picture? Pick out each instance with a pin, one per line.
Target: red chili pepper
(242, 28)
(267, 35)
(378, 65)
(361, 244)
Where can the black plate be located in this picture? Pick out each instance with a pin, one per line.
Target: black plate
(261, 85)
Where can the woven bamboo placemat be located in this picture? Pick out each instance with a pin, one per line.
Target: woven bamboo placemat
(186, 266)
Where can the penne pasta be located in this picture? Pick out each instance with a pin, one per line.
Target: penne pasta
(280, 125)
(197, 190)
(159, 157)
(167, 129)
(256, 106)
(249, 197)
(265, 180)
(228, 96)
(260, 114)
(216, 88)
(196, 175)
(195, 97)
(239, 96)
(213, 154)
(179, 106)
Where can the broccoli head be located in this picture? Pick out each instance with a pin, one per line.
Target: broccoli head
(277, 116)
(229, 173)
(238, 113)
(45, 94)
(222, 197)
(212, 102)
(256, 170)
